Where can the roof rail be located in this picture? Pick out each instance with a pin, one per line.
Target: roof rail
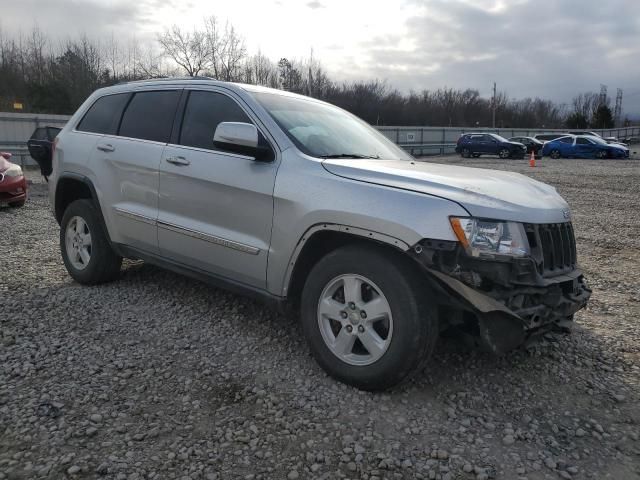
(167, 79)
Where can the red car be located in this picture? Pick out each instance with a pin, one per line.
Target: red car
(13, 185)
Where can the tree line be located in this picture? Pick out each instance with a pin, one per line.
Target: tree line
(50, 77)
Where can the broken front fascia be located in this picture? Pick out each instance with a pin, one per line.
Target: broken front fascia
(509, 297)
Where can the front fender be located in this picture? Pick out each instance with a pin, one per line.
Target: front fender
(307, 196)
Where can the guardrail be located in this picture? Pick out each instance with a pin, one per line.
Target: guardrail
(429, 149)
(19, 153)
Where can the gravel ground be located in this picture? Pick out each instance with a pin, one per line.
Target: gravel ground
(159, 376)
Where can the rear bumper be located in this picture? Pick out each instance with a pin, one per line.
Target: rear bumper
(13, 189)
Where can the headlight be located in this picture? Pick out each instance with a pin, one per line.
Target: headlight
(487, 238)
(13, 171)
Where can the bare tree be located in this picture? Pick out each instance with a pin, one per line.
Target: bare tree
(226, 49)
(190, 50)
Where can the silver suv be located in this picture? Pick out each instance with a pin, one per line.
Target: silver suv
(303, 205)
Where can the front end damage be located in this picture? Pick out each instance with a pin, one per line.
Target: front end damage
(505, 300)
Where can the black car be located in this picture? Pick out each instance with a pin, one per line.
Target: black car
(41, 147)
(533, 145)
(476, 144)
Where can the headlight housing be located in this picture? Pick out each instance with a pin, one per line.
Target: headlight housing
(13, 171)
(490, 238)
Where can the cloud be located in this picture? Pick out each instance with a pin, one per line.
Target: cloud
(60, 19)
(541, 48)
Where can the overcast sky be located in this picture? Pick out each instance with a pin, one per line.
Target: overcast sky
(546, 48)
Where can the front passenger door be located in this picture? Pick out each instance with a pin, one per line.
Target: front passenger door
(215, 206)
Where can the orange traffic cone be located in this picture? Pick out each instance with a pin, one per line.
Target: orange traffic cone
(532, 159)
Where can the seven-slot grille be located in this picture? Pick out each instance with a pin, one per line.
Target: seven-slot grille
(558, 247)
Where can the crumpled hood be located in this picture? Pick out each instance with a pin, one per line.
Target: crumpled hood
(483, 193)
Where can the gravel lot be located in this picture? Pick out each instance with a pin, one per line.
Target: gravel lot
(159, 376)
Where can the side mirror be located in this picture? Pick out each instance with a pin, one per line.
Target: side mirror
(236, 134)
(242, 138)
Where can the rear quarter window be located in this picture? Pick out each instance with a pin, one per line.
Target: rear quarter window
(103, 116)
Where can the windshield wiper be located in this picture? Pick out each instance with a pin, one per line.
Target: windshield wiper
(349, 155)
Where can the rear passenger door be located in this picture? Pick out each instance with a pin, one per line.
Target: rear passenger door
(481, 143)
(126, 164)
(215, 207)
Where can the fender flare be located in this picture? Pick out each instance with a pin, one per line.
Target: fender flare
(347, 229)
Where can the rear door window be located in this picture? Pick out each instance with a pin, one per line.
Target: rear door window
(149, 115)
(568, 140)
(583, 141)
(203, 113)
(103, 116)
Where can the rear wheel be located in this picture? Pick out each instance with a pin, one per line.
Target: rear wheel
(367, 317)
(476, 155)
(84, 245)
(555, 153)
(504, 153)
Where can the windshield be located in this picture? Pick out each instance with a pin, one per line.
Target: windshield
(499, 137)
(326, 131)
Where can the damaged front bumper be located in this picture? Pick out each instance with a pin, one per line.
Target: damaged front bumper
(504, 301)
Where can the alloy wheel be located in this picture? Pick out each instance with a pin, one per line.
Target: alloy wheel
(78, 242)
(355, 319)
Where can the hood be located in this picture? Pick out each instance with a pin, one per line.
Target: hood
(619, 146)
(483, 193)
(4, 164)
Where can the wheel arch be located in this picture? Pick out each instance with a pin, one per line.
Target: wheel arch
(72, 186)
(323, 238)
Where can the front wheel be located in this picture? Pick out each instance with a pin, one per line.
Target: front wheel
(466, 153)
(17, 204)
(85, 247)
(476, 155)
(504, 153)
(601, 154)
(367, 317)
(555, 153)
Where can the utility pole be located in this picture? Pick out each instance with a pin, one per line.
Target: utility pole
(603, 95)
(617, 115)
(493, 106)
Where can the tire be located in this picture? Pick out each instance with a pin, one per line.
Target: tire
(504, 153)
(466, 153)
(406, 332)
(601, 154)
(476, 155)
(85, 247)
(555, 153)
(17, 204)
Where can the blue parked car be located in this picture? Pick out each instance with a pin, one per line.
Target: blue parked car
(476, 144)
(583, 146)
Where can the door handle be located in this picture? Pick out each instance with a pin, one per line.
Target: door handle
(178, 161)
(106, 147)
